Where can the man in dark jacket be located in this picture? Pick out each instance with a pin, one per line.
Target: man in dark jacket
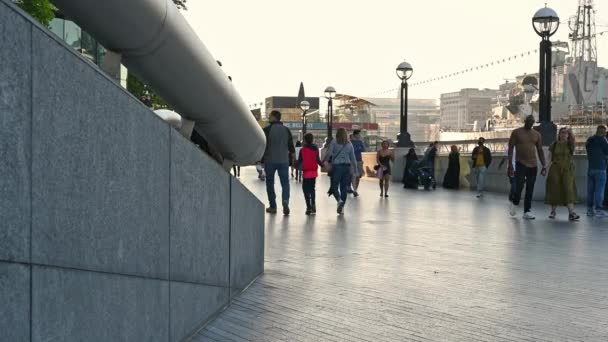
(597, 157)
(280, 153)
(482, 157)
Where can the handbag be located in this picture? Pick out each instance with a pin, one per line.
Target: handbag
(326, 167)
(327, 164)
(380, 173)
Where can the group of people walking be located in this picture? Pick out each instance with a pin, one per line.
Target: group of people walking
(524, 154)
(343, 162)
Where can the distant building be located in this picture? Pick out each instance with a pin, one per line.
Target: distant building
(385, 112)
(291, 115)
(289, 107)
(462, 109)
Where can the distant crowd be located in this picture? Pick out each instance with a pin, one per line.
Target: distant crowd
(342, 159)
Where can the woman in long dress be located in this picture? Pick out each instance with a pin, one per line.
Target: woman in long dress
(410, 178)
(452, 175)
(561, 184)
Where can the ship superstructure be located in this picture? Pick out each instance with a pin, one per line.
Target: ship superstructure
(579, 90)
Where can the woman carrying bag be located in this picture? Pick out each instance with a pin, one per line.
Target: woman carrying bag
(338, 162)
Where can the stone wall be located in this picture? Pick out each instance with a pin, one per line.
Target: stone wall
(496, 178)
(113, 227)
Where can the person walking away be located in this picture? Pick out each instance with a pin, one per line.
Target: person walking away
(482, 158)
(383, 159)
(528, 143)
(295, 167)
(279, 153)
(597, 155)
(236, 170)
(359, 148)
(341, 156)
(512, 181)
(606, 191)
(309, 162)
(452, 175)
(561, 184)
(352, 172)
(410, 177)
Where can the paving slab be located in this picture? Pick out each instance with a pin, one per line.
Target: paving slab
(421, 266)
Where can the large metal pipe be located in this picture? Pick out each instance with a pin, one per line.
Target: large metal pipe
(158, 45)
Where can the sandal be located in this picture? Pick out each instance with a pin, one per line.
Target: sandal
(552, 215)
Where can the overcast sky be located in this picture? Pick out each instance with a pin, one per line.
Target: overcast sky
(269, 46)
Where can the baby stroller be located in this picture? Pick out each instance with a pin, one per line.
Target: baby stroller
(421, 174)
(426, 177)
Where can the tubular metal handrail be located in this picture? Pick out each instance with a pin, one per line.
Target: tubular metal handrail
(158, 45)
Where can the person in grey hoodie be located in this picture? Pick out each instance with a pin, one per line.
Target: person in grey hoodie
(341, 155)
(279, 154)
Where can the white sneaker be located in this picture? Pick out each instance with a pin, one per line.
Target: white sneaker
(599, 213)
(528, 216)
(512, 209)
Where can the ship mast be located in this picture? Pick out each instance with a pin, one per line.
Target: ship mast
(583, 37)
(582, 34)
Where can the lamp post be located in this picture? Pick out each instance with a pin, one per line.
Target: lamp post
(404, 72)
(304, 105)
(330, 93)
(545, 23)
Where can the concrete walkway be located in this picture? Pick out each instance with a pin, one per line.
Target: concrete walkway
(422, 266)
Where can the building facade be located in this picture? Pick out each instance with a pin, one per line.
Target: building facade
(461, 110)
(289, 107)
(88, 47)
(291, 114)
(422, 114)
(384, 113)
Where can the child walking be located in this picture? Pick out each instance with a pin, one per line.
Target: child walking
(309, 162)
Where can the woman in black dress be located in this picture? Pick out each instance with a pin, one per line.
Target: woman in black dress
(410, 178)
(452, 175)
(384, 157)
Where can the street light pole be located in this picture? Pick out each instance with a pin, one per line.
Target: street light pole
(330, 93)
(545, 23)
(404, 72)
(403, 122)
(304, 105)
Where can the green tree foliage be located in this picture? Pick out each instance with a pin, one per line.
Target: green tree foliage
(41, 10)
(144, 93)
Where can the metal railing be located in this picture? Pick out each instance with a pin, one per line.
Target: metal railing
(499, 146)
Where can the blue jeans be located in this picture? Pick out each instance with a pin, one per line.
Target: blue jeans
(480, 177)
(596, 184)
(340, 181)
(283, 169)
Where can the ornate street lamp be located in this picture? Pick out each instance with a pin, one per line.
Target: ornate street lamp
(330, 93)
(404, 72)
(304, 105)
(545, 23)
